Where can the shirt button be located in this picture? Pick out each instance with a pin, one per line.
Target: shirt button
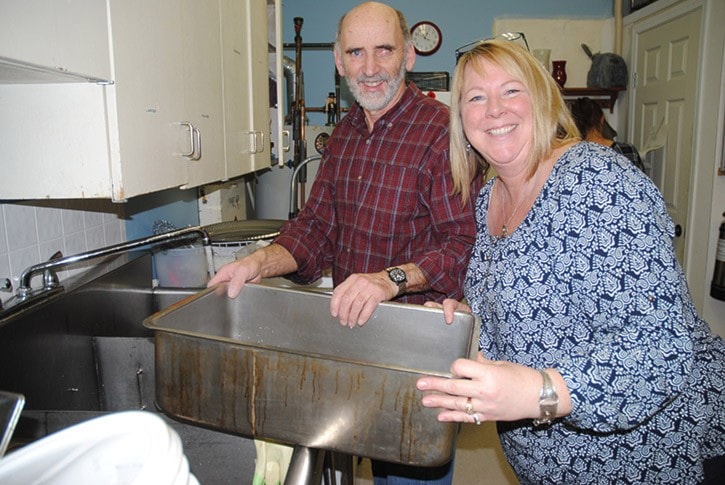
(359, 177)
(367, 142)
(390, 125)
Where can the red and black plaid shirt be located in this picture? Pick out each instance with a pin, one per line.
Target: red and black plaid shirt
(384, 198)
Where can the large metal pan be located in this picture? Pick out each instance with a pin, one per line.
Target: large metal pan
(274, 364)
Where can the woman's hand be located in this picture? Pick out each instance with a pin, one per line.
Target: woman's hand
(449, 306)
(498, 391)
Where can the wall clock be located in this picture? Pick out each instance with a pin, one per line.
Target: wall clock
(427, 37)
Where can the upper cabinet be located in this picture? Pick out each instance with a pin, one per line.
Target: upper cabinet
(54, 41)
(246, 87)
(176, 104)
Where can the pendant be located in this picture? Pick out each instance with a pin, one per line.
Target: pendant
(504, 231)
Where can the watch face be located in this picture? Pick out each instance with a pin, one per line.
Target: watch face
(426, 37)
(397, 275)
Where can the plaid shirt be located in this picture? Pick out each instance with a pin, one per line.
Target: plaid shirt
(383, 198)
(630, 152)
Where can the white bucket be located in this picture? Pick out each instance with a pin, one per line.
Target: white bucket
(131, 447)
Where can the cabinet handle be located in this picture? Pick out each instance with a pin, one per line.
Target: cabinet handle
(197, 136)
(285, 148)
(256, 141)
(253, 141)
(191, 138)
(259, 147)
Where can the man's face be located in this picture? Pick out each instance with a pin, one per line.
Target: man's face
(373, 58)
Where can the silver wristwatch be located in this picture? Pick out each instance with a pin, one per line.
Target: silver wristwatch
(548, 401)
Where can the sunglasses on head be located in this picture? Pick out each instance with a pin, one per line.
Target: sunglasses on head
(512, 36)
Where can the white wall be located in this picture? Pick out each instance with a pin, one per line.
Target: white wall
(714, 310)
(564, 37)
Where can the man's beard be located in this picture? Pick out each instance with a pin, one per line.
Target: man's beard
(377, 101)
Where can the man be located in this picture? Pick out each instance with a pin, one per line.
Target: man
(380, 212)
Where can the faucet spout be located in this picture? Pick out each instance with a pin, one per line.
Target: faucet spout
(293, 185)
(50, 279)
(24, 289)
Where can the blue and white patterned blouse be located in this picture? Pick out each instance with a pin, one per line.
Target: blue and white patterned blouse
(589, 284)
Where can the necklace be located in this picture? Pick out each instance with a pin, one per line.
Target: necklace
(504, 226)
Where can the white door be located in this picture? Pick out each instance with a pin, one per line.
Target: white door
(666, 61)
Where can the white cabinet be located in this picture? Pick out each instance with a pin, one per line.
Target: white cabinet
(66, 38)
(246, 87)
(183, 107)
(203, 88)
(146, 102)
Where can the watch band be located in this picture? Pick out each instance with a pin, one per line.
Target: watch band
(548, 401)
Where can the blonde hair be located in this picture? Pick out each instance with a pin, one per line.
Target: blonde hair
(553, 125)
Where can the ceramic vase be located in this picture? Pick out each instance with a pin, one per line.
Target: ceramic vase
(559, 72)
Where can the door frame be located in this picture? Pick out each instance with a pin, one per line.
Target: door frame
(702, 225)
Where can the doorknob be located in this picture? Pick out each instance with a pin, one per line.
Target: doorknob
(678, 230)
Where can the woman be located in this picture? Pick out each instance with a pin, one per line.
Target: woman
(593, 359)
(589, 119)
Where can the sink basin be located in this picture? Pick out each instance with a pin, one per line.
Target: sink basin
(61, 355)
(274, 364)
(85, 353)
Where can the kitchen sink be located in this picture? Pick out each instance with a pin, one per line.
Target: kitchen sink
(85, 352)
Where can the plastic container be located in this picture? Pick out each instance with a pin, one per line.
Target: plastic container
(132, 447)
(184, 267)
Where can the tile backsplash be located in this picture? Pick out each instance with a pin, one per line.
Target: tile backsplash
(31, 232)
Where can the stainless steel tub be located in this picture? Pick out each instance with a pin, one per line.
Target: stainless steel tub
(274, 364)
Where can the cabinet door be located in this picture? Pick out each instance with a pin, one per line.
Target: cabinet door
(246, 86)
(257, 84)
(64, 37)
(201, 42)
(146, 102)
(54, 141)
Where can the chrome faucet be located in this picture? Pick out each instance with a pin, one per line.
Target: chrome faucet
(50, 281)
(50, 278)
(293, 185)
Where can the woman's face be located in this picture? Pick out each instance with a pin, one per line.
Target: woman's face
(497, 116)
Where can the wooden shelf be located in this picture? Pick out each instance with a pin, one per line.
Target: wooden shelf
(606, 97)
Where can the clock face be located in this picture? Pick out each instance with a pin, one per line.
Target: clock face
(427, 37)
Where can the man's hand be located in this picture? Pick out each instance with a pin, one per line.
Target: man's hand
(272, 260)
(356, 298)
(237, 273)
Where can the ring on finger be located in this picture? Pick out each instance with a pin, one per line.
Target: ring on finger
(469, 406)
(476, 419)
